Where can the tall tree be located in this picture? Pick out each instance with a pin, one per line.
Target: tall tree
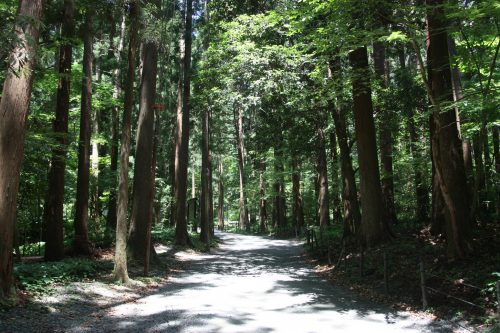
(385, 130)
(81, 244)
(240, 142)
(53, 215)
(140, 224)
(352, 215)
(446, 144)
(322, 170)
(120, 268)
(182, 152)
(117, 91)
(14, 106)
(374, 227)
(298, 207)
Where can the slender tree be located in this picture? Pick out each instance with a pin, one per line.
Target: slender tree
(81, 244)
(120, 269)
(53, 215)
(14, 106)
(182, 152)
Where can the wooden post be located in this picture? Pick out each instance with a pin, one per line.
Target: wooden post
(386, 278)
(422, 285)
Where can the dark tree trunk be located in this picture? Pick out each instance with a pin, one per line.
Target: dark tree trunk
(447, 146)
(205, 180)
(182, 157)
(120, 269)
(220, 208)
(240, 138)
(279, 204)
(81, 244)
(467, 149)
(352, 215)
(140, 224)
(323, 201)
(385, 132)
(335, 191)
(298, 208)
(14, 106)
(54, 220)
(374, 228)
(111, 218)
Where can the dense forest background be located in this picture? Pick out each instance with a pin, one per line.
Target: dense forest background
(370, 122)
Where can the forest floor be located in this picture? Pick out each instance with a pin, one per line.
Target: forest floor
(248, 284)
(461, 291)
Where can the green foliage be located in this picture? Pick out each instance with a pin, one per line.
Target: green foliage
(38, 278)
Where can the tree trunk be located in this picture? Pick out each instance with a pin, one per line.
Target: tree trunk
(54, 216)
(117, 91)
(120, 271)
(374, 228)
(205, 179)
(238, 124)
(182, 156)
(279, 204)
(335, 191)
(298, 208)
(385, 132)
(14, 106)
(81, 245)
(140, 222)
(323, 201)
(352, 215)
(447, 146)
(220, 208)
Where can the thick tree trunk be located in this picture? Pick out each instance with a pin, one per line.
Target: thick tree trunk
(14, 106)
(81, 244)
(352, 214)
(117, 91)
(140, 222)
(447, 146)
(182, 156)
(240, 138)
(374, 228)
(385, 132)
(298, 208)
(53, 215)
(323, 201)
(120, 269)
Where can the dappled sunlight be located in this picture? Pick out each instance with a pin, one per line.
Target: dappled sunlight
(255, 284)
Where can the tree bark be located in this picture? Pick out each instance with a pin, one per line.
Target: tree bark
(279, 204)
(54, 215)
(205, 179)
(14, 106)
(352, 214)
(447, 146)
(240, 138)
(323, 200)
(220, 208)
(182, 156)
(117, 91)
(81, 244)
(140, 222)
(298, 208)
(374, 228)
(120, 271)
(385, 132)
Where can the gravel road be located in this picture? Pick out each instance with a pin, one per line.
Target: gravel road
(250, 284)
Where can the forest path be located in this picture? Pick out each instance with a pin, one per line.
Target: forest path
(254, 284)
(249, 284)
